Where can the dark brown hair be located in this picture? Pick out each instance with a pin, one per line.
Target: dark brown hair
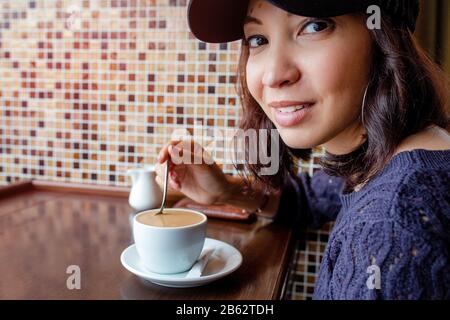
(407, 93)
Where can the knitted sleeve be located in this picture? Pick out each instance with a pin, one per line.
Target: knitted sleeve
(313, 200)
(402, 256)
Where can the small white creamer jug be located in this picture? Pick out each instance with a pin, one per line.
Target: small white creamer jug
(145, 192)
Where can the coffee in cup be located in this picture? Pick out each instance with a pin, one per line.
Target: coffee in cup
(170, 242)
(170, 218)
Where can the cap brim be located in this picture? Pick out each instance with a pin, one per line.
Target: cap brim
(321, 8)
(219, 21)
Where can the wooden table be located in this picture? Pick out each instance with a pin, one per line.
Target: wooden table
(46, 227)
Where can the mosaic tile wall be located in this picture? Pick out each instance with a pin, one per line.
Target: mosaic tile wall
(90, 88)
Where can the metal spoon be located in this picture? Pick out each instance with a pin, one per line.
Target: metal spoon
(198, 267)
(166, 178)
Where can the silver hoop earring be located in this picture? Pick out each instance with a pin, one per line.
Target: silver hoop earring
(364, 104)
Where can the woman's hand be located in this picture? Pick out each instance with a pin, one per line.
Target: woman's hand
(203, 182)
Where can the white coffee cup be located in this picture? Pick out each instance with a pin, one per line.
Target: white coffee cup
(169, 250)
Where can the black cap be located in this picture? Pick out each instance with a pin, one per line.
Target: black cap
(219, 21)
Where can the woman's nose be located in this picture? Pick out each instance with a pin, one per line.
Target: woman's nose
(280, 70)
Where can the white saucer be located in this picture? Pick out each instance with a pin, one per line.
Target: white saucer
(223, 261)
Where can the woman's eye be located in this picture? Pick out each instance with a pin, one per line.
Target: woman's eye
(315, 26)
(256, 41)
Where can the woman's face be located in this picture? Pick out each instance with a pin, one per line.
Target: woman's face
(321, 63)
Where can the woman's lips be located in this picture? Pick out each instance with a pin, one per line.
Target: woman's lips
(289, 119)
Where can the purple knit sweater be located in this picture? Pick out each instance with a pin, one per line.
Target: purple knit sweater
(391, 239)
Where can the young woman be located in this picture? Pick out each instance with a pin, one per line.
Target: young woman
(317, 73)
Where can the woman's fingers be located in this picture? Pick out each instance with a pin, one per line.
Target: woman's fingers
(174, 184)
(184, 151)
(163, 154)
(159, 181)
(171, 185)
(159, 169)
(179, 153)
(189, 152)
